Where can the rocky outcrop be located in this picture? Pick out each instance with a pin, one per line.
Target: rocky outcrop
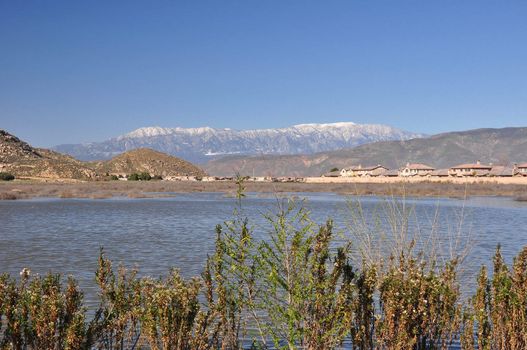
(20, 159)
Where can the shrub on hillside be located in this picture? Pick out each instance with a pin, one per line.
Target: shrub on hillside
(139, 177)
(6, 176)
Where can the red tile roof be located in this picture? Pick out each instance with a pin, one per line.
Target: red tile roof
(418, 166)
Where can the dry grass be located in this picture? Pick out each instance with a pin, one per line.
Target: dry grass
(140, 189)
(153, 189)
(8, 196)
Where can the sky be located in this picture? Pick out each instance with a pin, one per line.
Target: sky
(81, 71)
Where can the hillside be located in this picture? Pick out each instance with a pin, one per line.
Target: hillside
(498, 146)
(150, 161)
(22, 160)
(200, 145)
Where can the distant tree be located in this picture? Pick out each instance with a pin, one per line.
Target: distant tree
(114, 177)
(139, 177)
(334, 169)
(145, 177)
(6, 176)
(133, 177)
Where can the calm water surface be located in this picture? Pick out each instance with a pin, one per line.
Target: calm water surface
(64, 235)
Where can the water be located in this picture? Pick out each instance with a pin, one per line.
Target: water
(65, 235)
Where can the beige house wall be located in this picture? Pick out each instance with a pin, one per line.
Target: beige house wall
(519, 180)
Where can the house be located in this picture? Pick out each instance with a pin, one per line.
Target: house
(521, 169)
(334, 173)
(391, 173)
(470, 169)
(501, 171)
(440, 173)
(375, 170)
(413, 169)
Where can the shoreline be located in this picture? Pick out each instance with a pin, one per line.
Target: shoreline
(459, 188)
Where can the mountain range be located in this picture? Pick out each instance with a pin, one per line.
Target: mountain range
(499, 146)
(199, 145)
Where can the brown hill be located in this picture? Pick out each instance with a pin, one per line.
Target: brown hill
(22, 160)
(499, 146)
(150, 161)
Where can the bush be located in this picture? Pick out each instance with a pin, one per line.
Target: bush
(497, 318)
(114, 177)
(139, 177)
(6, 176)
(41, 313)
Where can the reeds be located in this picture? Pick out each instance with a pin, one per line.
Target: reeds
(498, 312)
(39, 313)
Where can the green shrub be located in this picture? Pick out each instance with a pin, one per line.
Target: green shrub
(40, 313)
(139, 177)
(145, 177)
(114, 177)
(6, 176)
(498, 313)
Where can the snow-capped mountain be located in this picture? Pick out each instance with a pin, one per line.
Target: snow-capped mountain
(205, 143)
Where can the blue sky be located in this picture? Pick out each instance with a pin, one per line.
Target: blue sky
(78, 71)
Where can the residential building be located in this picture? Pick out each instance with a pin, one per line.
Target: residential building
(334, 173)
(501, 171)
(413, 169)
(440, 173)
(391, 173)
(375, 170)
(521, 169)
(470, 169)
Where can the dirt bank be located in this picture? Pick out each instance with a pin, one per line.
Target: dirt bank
(20, 189)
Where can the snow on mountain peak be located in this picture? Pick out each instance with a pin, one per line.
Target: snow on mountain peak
(199, 144)
(149, 131)
(153, 131)
(325, 126)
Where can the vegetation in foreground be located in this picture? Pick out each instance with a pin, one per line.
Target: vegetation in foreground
(298, 289)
